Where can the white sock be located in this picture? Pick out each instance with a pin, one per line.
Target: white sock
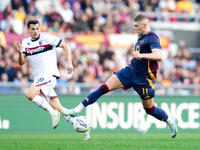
(68, 118)
(170, 120)
(41, 102)
(78, 108)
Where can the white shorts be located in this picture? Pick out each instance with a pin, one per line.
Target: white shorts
(47, 83)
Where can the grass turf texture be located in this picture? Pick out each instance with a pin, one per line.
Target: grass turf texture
(99, 141)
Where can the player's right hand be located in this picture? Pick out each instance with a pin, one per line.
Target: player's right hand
(19, 47)
(136, 55)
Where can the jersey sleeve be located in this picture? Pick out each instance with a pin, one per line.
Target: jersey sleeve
(154, 41)
(53, 40)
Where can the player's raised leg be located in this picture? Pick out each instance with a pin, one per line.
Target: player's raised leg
(111, 84)
(33, 95)
(161, 115)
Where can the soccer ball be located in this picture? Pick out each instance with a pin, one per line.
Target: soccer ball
(81, 124)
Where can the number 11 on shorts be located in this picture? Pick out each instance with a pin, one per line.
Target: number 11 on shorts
(145, 91)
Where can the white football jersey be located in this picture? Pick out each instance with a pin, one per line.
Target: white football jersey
(41, 55)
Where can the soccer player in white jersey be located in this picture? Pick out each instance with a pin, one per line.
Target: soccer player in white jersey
(41, 52)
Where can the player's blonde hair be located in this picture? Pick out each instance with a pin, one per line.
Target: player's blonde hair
(141, 18)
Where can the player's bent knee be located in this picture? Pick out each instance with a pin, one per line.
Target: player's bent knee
(29, 96)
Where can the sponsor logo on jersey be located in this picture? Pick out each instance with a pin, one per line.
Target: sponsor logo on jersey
(38, 49)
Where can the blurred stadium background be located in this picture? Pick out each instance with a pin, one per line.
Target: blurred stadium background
(101, 36)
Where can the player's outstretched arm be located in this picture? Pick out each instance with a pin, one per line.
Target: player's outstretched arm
(67, 50)
(21, 57)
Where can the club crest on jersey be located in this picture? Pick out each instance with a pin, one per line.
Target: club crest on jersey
(137, 48)
(40, 42)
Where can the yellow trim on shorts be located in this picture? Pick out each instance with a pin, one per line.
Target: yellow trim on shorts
(150, 73)
(151, 83)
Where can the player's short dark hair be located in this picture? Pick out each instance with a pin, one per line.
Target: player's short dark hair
(32, 21)
(140, 17)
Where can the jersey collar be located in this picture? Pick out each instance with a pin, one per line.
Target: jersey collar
(140, 36)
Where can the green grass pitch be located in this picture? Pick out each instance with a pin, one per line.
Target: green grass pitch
(100, 141)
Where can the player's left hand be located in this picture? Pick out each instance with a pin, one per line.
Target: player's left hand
(136, 55)
(69, 68)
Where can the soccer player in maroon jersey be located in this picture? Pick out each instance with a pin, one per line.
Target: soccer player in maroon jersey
(139, 74)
